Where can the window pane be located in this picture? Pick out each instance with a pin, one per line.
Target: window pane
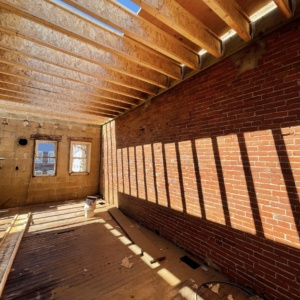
(45, 161)
(80, 151)
(46, 147)
(79, 165)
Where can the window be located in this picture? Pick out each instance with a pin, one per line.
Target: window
(80, 154)
(45, 158)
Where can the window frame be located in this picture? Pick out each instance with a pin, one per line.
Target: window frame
(36, 156)
(71, 157)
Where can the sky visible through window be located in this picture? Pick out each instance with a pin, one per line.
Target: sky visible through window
(126, 3)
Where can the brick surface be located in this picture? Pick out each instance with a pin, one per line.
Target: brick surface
(214, 165)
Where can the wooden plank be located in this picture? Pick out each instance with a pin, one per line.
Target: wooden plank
(72, 86)
(137, 28)
(6, 106)
(55, 97)
(231, 13)
(8, 229)
(54, 15)
(28, 63)
(79, 96)
(284, 7)
(174, 15)
(24, 99)
(64, 43)
(89, 69)
(10, 247)
(136, 236)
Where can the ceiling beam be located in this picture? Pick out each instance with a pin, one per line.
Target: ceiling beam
(138, 29)
(18, 60)
(64, 43)
(72, 88)
(174, 15)
(12, 87)
(27, 82)
(51, 112)
(233, 15)
(284, 7)
(112, 81)
(54, 15)
(21, 98)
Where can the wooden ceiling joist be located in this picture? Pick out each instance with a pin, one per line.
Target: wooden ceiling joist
(178, 18)
(59, 41)
(26, 82)
(55, 16)
(284, 7)
(126, 83)
(26, 99)
(70, 87)
(12, 87)
(231, 13)
(52, 113)
(138, 29)
(54, 60)
(35, 65)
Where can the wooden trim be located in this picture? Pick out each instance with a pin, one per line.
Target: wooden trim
(46, 137)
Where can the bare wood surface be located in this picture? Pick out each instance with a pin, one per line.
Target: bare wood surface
(233, 15)
(10, 246)
(136, 236)
(284, 7)
(175, 16)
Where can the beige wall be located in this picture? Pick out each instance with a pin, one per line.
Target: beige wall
(18, 187)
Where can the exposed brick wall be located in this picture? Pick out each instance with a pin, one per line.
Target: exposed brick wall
(214, 164)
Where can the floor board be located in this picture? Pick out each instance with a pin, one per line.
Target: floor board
(64, 255)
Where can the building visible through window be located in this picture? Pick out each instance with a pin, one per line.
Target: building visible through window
(80, 154)
(45, 158)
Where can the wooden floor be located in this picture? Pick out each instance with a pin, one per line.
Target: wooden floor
(64, 255)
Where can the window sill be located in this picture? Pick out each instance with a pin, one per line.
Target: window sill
(78, 173)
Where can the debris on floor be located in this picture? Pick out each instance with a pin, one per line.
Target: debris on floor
(215, 288)
(126, 263)
(204, 267)
(230, 297)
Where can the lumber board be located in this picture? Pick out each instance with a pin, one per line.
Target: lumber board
(10, 245)
(136, 235)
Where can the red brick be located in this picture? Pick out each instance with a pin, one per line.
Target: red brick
(236, 144)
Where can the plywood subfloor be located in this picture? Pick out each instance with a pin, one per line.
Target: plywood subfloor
(63, 255)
